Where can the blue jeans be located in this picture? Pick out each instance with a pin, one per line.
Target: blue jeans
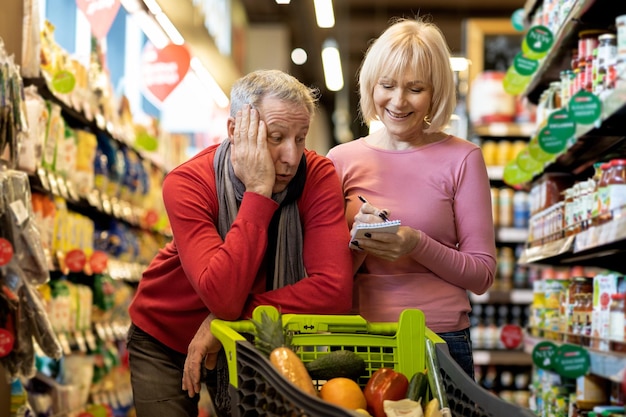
(460, 347)
(156, 374)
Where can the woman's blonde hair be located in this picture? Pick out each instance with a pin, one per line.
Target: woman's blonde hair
(410, 46)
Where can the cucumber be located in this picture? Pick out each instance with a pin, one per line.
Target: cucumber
(418, 387)
(338, 363)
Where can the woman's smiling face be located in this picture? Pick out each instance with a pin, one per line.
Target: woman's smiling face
(402, 104)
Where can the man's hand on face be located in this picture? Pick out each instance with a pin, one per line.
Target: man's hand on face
(250, 156)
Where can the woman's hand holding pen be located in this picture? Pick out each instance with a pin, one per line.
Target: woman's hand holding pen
(388, 246)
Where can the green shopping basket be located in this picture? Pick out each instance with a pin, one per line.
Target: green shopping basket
(257, 389)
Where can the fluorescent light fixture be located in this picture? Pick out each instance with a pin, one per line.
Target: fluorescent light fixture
(324, 13)
(459, 64)
(216, 92)
(170, 29)
(152, 29)
(131, 6)
(331, 61)
(298, 56)
(153, 6)
(283, 1)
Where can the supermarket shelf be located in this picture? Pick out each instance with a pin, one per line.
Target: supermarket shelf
(603, 246)
(584, 14)
(608, 365)
(511, 234)
(515, 296)
(502, 357)
(500, 129)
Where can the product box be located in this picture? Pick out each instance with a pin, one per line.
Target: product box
(604, 285)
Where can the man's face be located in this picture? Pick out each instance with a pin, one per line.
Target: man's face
(287, 127)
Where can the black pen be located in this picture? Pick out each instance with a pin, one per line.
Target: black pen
(382, 215)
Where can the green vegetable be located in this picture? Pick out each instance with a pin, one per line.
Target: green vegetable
(419, 389)
(338, 363)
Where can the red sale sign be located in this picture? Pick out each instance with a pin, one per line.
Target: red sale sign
(100, 14)
(511, 336)
(163, 69)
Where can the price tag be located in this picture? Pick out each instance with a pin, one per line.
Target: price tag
(549, 142)
(80, 341)
(537, 42)
(100, 331)
(571, 361)
(43, 178)
(62, 186)
(543, 355)
(90, 338)
(52, 180)
(585, 107)
(65, 344)
(20, 212)
(511, 336)
(71, 191)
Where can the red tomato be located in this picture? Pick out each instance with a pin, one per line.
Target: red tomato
(385, 384)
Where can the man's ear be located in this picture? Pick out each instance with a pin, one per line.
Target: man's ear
(230, 125)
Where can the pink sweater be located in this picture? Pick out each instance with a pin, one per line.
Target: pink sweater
(441, 190)
(198, 273)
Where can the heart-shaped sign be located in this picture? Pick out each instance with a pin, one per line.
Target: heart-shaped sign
(100, 14)
(163, 69)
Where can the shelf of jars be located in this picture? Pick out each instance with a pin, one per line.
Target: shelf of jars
(501, 129)
(603, 246)
(583, 14)
(610, 365)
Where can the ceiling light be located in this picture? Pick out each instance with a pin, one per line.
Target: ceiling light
(216, 92)
(152, 29)
(331, 61)
(324, 13)
(282, 1)
(153, 6)
(170, 29)
(298, 56)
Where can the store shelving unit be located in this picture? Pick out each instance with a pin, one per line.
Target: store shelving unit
(598, 246)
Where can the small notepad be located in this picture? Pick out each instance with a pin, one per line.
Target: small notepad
(385, 227)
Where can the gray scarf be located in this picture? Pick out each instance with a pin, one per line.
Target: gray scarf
(284, 250)
(287, 265)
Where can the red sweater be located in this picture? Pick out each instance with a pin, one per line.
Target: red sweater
(197, 273)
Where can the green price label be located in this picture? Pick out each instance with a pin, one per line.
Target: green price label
(524, 65)
(549, 142)
(514, 175)
(63, 82)
(526, 162)
(561, 124)
(537, 42)
(571, 361)
(543, 355)
(517, 19)
(536, 152)
(585, 107)
(514, 83)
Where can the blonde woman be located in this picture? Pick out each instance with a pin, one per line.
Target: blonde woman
(434, 183)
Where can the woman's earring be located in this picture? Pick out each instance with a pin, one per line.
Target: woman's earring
(427, 119)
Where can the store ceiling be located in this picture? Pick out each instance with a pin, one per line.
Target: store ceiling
(357, 22)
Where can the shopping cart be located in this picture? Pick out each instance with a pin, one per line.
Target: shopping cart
(257, 389)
